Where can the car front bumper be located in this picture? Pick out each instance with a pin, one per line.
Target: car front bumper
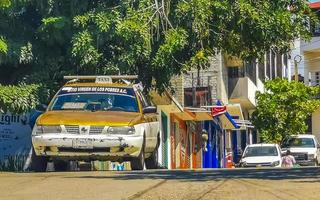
(311, 162)
(87, 147)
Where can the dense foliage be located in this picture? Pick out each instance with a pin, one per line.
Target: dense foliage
(40, 41)
(27, 98)
(284, 108)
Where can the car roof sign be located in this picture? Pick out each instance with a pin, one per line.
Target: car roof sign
(103, 79)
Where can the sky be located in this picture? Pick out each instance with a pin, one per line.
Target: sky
(313, 0)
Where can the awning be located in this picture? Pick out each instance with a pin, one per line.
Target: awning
(185, 116)
(244, 124)
(167, 109)
(202, 116)
(227, 121)
(235, 111)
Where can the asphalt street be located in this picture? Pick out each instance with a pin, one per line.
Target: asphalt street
(265, 184)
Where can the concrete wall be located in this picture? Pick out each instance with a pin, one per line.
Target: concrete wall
(308, 51)
(310, 45)
(215, 76)
(222, 78)
(177, 83)
(316, 124)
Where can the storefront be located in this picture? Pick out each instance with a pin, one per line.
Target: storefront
(164, 150)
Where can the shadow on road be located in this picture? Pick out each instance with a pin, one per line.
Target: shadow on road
(207, 175)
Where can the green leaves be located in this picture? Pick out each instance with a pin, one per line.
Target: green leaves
(84, 50)
(283, 109)
(56, 22)
(5, 3)
(175, 40)
(26, 54)
(101, 20)
(155, 39)
(18, 99)
(3, 46)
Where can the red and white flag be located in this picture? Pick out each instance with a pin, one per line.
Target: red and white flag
(218, 110)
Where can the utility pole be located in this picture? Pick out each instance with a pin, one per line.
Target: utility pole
(297, 59)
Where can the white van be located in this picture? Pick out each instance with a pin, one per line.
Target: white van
(304, 148)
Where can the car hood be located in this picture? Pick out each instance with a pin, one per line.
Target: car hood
(260, 159)
(98, 118)
(300, 150)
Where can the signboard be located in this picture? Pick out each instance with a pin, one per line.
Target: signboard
(93, 89)
(15, 140)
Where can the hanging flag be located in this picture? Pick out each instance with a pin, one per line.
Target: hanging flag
(218, 110)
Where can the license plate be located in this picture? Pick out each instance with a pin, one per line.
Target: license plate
(82, 143)
(259, 166)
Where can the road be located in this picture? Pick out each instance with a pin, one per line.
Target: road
(240, 184)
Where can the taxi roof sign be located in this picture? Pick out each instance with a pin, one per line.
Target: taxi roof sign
(101, 79)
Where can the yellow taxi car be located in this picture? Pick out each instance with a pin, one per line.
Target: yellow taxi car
(98, 120)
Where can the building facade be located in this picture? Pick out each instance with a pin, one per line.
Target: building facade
(308, 53)
(234, 83)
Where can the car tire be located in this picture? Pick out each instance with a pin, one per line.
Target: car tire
(61, 165)
(152, 161)
(38, 163)
(139, 162)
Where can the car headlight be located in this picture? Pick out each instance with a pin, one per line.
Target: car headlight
(121, 130)
(243, 164)
(275, 163)
(310, 156)
(39, 129)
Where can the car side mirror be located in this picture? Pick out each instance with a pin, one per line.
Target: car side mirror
(318, 146)
(41, 107)
(150, 109)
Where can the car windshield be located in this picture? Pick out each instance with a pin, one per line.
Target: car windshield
(299, 142)
(260, 151)
(72, 99)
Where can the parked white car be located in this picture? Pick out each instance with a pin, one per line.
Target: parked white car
(93, 118)
(261, 155)
(304, 148)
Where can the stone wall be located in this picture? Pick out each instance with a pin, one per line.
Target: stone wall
(177, 83)
(212, 76)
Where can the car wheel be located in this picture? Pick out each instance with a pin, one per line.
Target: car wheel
(139, 162)
(61, 165)
(38, 163)
(152, 161)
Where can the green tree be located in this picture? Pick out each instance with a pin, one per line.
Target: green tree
(156, 39)
(18, 99)
(283, 109)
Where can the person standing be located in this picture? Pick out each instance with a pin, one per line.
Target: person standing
(288, 160)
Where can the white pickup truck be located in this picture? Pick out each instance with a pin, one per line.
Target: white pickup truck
(305, 149)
